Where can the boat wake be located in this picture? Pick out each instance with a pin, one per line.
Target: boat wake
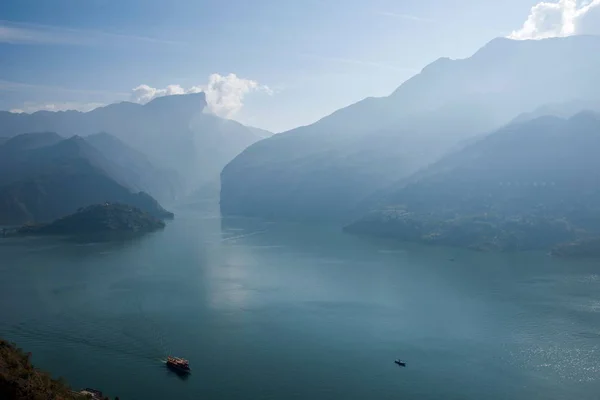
(120, 343)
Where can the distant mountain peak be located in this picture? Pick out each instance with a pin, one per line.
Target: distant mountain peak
(28, 141)
(191, 102)
(502, 46)
(105, 137)
(440, 63)
(75, 145)
(76, 139)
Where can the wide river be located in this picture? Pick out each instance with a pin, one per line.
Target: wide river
(291, 311)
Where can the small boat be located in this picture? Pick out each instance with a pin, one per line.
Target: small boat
(400, 363)
(178, 364)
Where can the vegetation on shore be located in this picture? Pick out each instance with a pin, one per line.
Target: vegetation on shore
(20, 380)
(529, 186)
(99, 218)
(483, 232)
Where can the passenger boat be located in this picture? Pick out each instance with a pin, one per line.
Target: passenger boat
(178, 364)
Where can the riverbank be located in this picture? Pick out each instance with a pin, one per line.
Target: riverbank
(21, 380)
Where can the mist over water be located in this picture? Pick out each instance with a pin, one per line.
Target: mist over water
(274, 310)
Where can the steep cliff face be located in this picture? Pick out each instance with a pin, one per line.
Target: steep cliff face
(325, 169)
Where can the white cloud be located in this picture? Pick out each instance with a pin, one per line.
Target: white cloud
(144, 93)
(30, 107)
(558, 19)
(224, 93)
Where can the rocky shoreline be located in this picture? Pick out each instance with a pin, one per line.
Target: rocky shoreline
(21, 380)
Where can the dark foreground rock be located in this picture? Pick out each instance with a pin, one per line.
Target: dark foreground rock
(20, 380)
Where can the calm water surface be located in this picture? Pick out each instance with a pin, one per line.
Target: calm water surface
(288, 311)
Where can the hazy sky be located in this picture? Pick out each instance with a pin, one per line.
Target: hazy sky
(275, 64)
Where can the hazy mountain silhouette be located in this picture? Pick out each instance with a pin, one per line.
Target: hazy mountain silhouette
(135, 168)
(44, 177)
(261, 133)
(562, 110)
(325, 169)
(529, 185)
(29, 141)
(174, 131)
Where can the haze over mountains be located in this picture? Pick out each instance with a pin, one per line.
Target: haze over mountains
(136, 169)
(494, 151)
(173, 132)
(44, 176)
(327, 169)
(530, 185)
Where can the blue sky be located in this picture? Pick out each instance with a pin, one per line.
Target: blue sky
(294, 61)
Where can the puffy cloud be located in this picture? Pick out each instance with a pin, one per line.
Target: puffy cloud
(144, 93)
(224, 93)
(30, 107)
(558, 19)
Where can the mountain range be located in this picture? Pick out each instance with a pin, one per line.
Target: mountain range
(44, 176)
(175, 133)
(495, 151)
(329, 169)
